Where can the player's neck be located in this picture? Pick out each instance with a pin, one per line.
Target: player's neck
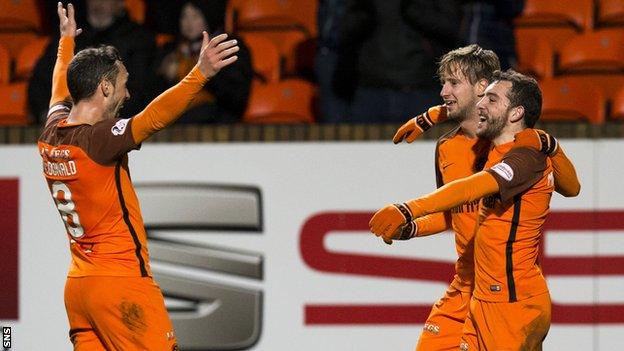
(469, 125)
(507, 135)
(86, 113)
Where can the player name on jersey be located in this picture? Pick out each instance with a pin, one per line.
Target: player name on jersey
(61, 166)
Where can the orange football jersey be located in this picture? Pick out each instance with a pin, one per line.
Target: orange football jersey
(510, 225)
(458, 156)
(86, 167)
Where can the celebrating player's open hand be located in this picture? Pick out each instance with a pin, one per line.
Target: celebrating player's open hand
(216, 53)
(67, 20)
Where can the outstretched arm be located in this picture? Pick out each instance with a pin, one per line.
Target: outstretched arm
(68, 29)
(215, 54)
(516, 172)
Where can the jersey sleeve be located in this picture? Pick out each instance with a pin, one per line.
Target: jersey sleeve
(60, 91)
(433, 223)
(110, 140)
(519, 170)
(168, 106)
(566, 180)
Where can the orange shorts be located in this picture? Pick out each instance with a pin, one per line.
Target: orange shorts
(507, 326)
(444, 326)
(117, 313)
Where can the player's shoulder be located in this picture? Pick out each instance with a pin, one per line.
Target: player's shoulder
(450, 135)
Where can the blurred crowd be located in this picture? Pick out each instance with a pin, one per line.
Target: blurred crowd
(373, 61)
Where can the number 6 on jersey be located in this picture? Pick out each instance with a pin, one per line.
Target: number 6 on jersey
(63, 199)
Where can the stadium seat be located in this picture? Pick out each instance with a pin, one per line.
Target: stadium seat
(578, 14)
(13, 109)
(594, 52)
(271, 15)
(19, 15)
(569, 99)
(557, 37)
(617, 107)
(287, 101)
(5, 65)
(535, 58)
(28, 57)
(14, 41)
(287, 43)
(265, 57)
(611, 12)
(136, 10)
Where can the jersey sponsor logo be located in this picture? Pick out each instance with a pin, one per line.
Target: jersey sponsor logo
(495, 288)
(120, 127)
(503, 170)
(432, 328)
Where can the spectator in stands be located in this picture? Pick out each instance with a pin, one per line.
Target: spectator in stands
(489, 23)
(396, 45)
(106, 23)
(224, 98)
(333, 105)
(160, 14)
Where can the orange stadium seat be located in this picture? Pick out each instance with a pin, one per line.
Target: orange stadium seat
(136, 10)
(611, 12)
(19, 15)
(535, 58)
(617, 107)
(264, 56)
(569, 99)
(272, 14)
(13, 110)
(28, 57)
(557, 37)
(5, 65)
(599, 51)
(14, 41)
(287, 101)
(575, 13)
(287, 43)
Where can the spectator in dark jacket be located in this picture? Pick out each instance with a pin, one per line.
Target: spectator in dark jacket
(489, 23)
(396, 45)
(224, 98)
(333, 106)
(106, 23)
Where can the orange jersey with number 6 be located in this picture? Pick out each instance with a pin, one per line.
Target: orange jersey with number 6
(86, 167)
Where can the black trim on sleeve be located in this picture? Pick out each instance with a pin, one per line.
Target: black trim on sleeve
(511, 285)
(126, 217)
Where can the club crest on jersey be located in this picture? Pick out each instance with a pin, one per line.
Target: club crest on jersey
(120, 127)
(503, 170)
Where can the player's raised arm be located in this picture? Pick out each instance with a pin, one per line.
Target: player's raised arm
(414, 128)
(215, 54)
(69, 30)
(566, 180)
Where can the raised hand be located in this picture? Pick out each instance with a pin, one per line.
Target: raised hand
(67, 20)
(215, 54)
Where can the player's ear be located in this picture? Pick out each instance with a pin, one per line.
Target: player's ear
(106, 88)
(481, 85)
(517, 114)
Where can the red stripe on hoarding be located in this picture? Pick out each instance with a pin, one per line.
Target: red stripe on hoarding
(9, 190)
(366, 314)
(316, 256)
